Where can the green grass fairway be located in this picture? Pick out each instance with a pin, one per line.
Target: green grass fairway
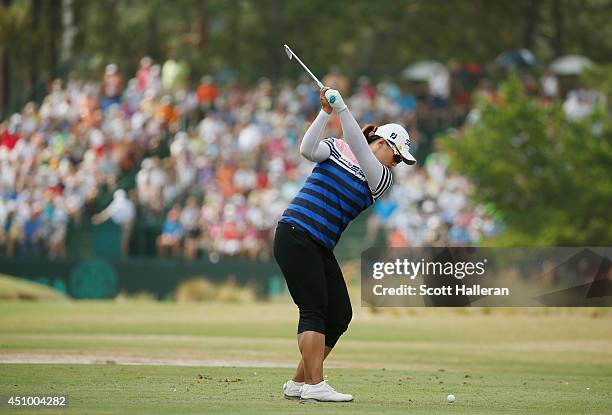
(201, 359)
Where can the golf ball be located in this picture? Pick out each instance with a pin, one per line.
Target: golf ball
(450, 398)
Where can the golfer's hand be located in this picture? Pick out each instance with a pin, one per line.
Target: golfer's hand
(335, 100)
(324, 103)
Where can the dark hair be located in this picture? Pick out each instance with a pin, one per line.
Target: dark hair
(368, 132)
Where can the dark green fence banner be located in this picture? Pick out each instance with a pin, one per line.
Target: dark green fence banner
(102, 278)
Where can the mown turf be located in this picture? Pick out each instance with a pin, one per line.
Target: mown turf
(113, 389)
(500, 362)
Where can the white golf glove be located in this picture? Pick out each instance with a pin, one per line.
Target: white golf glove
(335, 100)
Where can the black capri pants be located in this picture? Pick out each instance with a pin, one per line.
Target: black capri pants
(315, 283)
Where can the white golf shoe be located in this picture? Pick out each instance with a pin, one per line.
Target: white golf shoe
(292, 390)
(322, 392)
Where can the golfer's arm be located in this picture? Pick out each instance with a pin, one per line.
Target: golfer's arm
(312, 148)
(379, 177)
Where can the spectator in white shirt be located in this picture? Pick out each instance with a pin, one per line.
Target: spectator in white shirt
(121, 211)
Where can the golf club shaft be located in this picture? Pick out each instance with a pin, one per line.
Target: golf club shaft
(319, 83)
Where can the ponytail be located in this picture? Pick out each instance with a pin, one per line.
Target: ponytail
(368, 132)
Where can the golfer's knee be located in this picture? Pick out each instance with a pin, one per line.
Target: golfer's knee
(332, 337)
(311, 320)
(336, 326)
(343, 320)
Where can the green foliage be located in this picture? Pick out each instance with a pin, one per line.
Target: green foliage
(246, 36)
(12, 20)
(549, 177)
(599, 78)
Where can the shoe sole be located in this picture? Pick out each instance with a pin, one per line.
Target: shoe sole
(291, 398)
(313, 400)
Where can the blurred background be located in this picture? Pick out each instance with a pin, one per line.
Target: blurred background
(143, 143)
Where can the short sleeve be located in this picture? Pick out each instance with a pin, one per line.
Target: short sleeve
(386, 180)
(330, 143)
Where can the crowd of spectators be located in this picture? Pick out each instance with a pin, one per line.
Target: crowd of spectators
(430, 206)
(207, 169)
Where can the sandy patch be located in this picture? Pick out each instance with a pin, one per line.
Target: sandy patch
(108, 359)
(88, 359)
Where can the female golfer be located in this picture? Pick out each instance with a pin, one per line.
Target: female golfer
(349, 176)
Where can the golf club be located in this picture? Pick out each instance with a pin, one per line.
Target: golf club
(291, 55)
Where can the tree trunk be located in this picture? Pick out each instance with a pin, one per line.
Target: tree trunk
(367, 57)
(5, 84)
(68, 31)
(153, 49)
(5, 75)
(54, 27)
(202, 23)
(557, 18)
(234, 34)
(532, 16)
(277, 54)
(35, 30)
